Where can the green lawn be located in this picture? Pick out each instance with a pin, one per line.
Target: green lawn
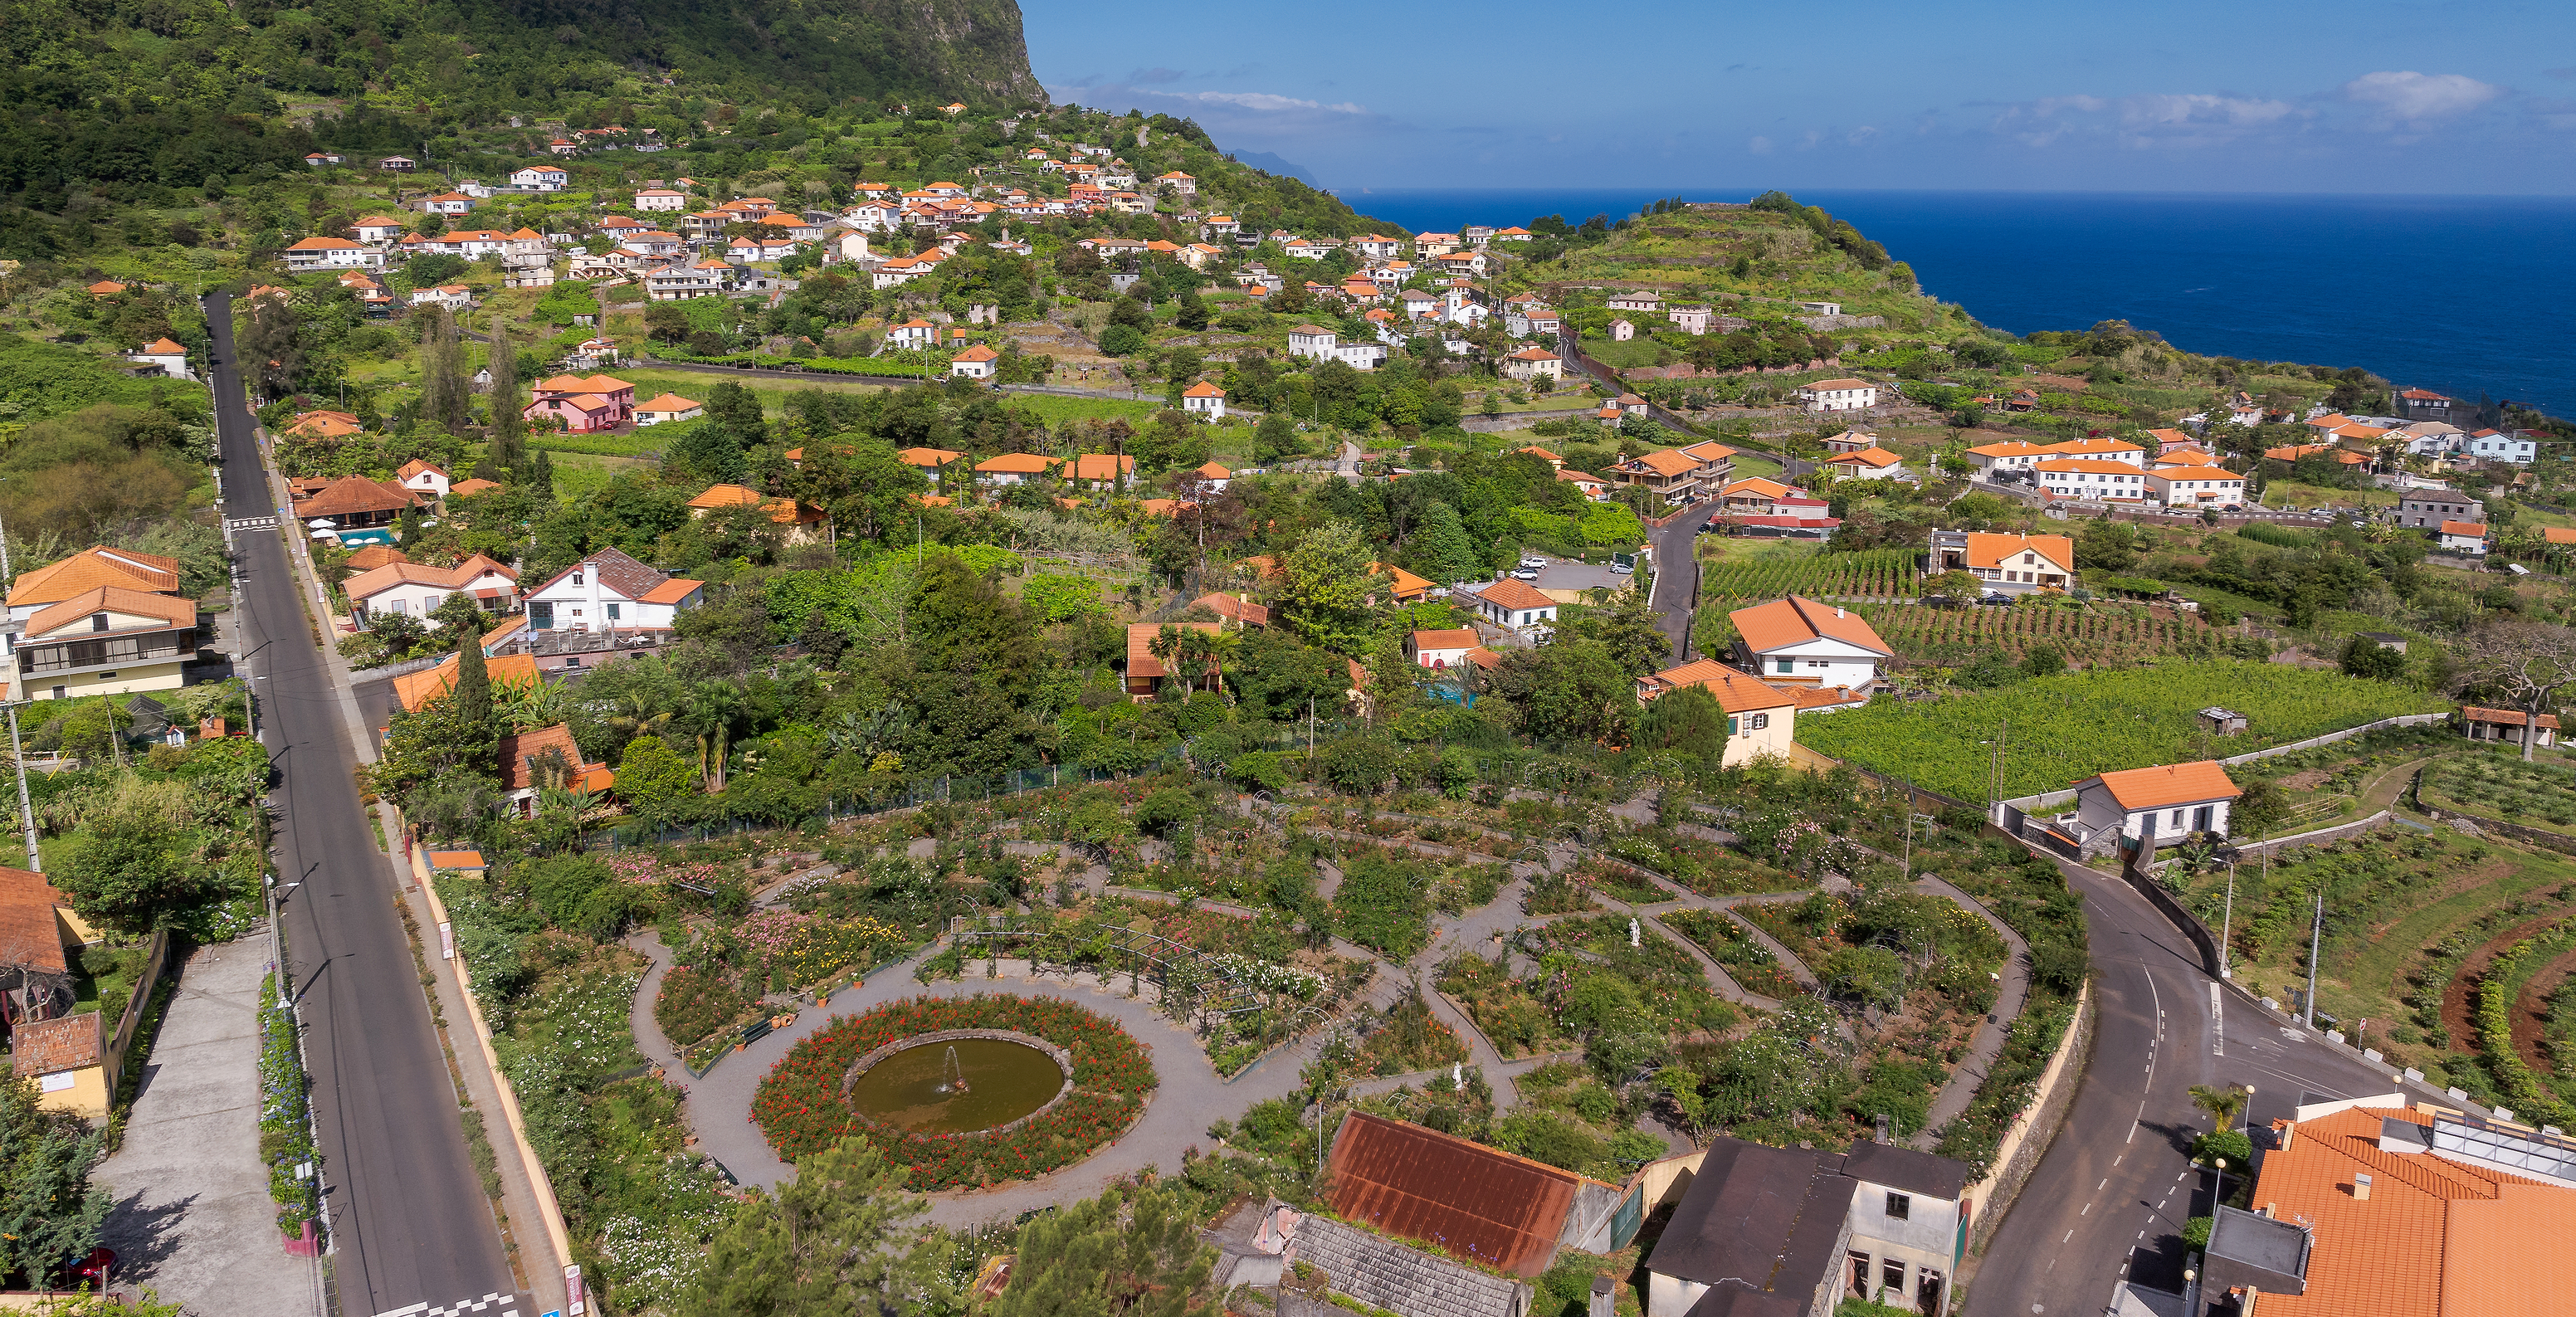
(579, 475)
(2292, 494)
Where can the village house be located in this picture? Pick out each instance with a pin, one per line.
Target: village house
(803, 524)
(377, 229)
(1204, 400)
(163, 355)
(1784, 1232)
(1841, 395)
(1534, 363)
(2152, 806)
(1312, 341)
(610, 591)
(451, 296)
(667, 408)
(975, 363)
(1443, 649)
(1761, 719)
(582, 405)
(1012, 468)
(2464, 536)
(1800, 642)
(107, 640)
(2092, 478)
(1146, 671)
(2490, 445)
(2191, 484)
(427, 479)
(320, 253)
(532, 762)
(413, 590)
(1992, 460)
(1667, 472)
(542, 178)
(1872, 463)
(355, 503)
(2435, 506)
(1509, 603)
(2008, 564)
(320, 159)
(661, 198)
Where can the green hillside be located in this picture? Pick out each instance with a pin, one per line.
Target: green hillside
(135, 97)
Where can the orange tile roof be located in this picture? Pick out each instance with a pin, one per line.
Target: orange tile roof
(2096, 445)
(417, 689)
(161, 608)
(2008, 448)
(1707, 450)
(1665, 462)
(671, 591)
(669, 402)
(725, 496)
(1822, 385)
(30, 934)
(1514, 593)
(2169, 784)
(927, 457)
(1872, 457)
(1405, 1180)
(1027, 464)
(2477, 529)
(1757, 485)
(1212, 471)
(385, 576)
(2512, 717)
(518, 748)
(1098, 466)
(1735, 692)
(45, 1047)
(1203, 389)
(1141, 663)
(979, 352)
(1990, 550)
(1793, 621)
(374, 556)
(1446, 638)
(91, 568)
(1405, 585)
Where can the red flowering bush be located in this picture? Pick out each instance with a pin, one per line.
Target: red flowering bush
(800, 1107)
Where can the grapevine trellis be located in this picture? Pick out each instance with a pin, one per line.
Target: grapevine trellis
(2084, 635)
(1870, 573)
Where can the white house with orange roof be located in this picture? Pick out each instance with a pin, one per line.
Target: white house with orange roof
(2101, 448)
(164, 355)
(1871, 463)
(1532, 363)
(2153, 806)
(1800, 642)
(2096, 479)
(661, 198)
(323, 253)
(975, 363)
(583, 404)
(1838, 395)
(913, 333)
(541, 178)
(2195, 485)
(668, 408)
(1012, 468)
(1509, 603)
(1204, 400)
(425, 478)
(2008, 564)
(377, 228)
(450, 204)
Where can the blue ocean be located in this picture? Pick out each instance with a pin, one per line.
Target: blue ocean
(2457, 294)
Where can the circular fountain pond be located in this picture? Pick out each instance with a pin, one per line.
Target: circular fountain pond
(958, 1085)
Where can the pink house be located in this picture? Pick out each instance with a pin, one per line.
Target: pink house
(583, 404)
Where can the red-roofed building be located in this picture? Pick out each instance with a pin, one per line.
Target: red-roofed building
(2155, 806)
(1800, 642)
(1761, 719)
(1509, 603)
(2507, 725)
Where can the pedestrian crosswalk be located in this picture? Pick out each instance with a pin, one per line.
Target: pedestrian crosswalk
(490, 1305)
(251, 523)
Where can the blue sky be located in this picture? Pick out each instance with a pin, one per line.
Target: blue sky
(2195, 96)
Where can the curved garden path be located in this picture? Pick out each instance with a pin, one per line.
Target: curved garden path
(1191, 1096)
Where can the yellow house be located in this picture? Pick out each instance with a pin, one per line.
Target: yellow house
(1760, 719)
(67, 1059)
(107, 640)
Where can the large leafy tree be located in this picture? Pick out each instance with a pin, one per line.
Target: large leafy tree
(1127, 1253)
(2524, 664)
(1567, 688)
(132, 870)
(1331, 582)
(827, 1244)
(50, 1214)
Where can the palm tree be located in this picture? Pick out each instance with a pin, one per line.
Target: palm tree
(712, 714)
(2222, 1103)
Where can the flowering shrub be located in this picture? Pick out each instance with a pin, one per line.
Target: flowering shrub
(285, 1128)
(790, 951)
(801, 1109)
(694, 1003)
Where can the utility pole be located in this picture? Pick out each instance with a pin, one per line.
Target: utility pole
(2225, 922)
(2316, 932)
(26, 808)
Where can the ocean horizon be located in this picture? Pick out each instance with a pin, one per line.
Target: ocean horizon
(2447, 293)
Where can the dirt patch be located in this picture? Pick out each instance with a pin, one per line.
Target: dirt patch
(2459, 1007)
(2530, 1013)
(2306, 780)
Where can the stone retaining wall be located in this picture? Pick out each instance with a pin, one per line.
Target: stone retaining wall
(2027, 1141)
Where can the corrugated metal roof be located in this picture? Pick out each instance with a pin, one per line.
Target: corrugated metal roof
(1504, 1211)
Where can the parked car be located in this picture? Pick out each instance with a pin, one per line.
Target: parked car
(1525, 574)
(1999, 598)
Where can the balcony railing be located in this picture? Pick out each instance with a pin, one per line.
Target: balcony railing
(79, 654)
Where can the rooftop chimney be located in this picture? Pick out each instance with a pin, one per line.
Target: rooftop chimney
(2361, 1186)
(1838, 610)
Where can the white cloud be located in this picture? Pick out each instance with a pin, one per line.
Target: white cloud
(2416, 97)
(1759, 146)
(2176, 110)
(1265, 102)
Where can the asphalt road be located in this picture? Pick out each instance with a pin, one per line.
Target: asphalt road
(1677, 577)
(408, 1218)
(2110, 1198)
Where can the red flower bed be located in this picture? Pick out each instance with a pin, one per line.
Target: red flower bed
(800, 1107)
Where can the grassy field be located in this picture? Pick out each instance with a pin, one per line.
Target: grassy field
(2292, 494)
(578, 475)
(2495, 783)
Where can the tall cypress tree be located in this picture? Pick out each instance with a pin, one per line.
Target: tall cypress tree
(509, 444)
(443, 388)
(473, 693)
